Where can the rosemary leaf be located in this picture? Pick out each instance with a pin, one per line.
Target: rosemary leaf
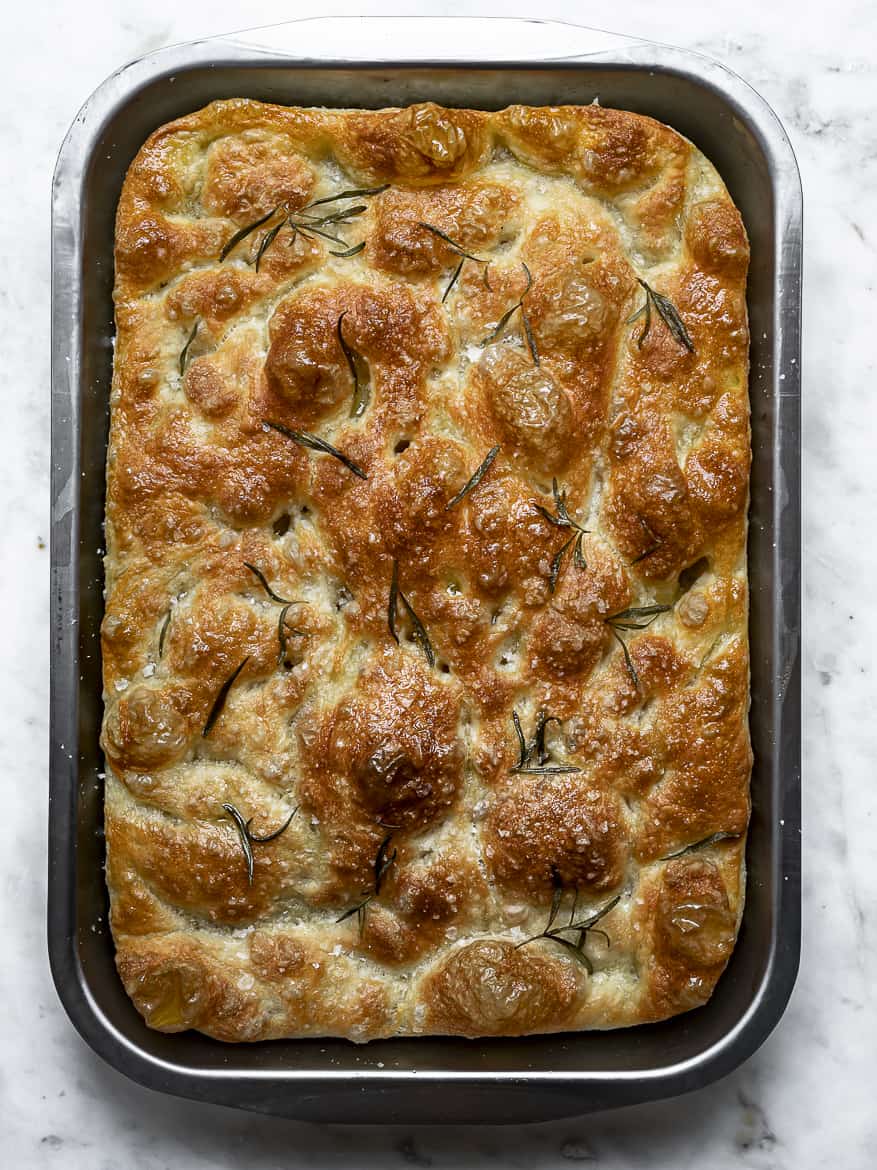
(270, 836)
(163, 632)
(244, 836)
(355, 250)
(590, 922)
(245, 231)
(267, 240)
(551, 770)
(655, 539)
(542, 754)
(519, 731)
(393, 605)
(475, 479)
(222, 695)
(632, 619)
(417, 627)
(556, 897)
(342, 216)
(555, 565)
(501, 324)
(713, 839)
(528, 333)
(184, 353)
(264, 583)
(383, 861)
(314, 443)
(358, 910)
(507, 316)
(454, 279)
(647, 553)
(360, 397)
(354, 193)
(578, 553)
(628, 662)
(550, 517)
(451, 243)
(282, 637)
(419, 630)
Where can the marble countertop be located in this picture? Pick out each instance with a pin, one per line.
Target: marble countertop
(806, 1100)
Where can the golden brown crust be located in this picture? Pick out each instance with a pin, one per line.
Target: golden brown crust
(435, 876)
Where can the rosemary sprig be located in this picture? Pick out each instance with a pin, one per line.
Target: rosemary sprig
(533, 757)
(461, 252)
(303, 223)
(247, 837)
(162, 634)
(509, 313)
(668, 313)
(264, 583)
(417, 627)
(315, 443)
(581, 927)
(184, 352)
(475, 479)
(637, 617)
(561, 518)
(360, 389)
(222, 695)
(713, 839)
(382, 862)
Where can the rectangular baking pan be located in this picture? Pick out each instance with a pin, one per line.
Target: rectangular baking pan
(344, 62)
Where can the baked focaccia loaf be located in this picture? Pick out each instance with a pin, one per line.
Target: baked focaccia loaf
(425, 647)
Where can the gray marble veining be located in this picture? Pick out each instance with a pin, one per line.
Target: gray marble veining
(806, 1100)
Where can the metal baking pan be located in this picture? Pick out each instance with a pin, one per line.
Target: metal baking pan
(344, 62)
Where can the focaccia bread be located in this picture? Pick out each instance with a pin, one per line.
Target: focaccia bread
(425, 647)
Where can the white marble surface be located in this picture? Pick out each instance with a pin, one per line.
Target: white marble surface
(806, 1100)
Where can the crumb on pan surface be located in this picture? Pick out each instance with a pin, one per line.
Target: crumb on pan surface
(425, 645)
